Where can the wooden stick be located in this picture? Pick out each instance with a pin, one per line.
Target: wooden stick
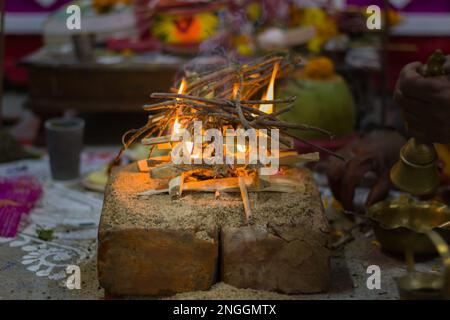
(159, 105)
(271, 115)
(285, 184)
(159, 140)
(208, 78)
(163, 95)
(176, 185)
(245, 199)
(147, 164)
(300, 126)
(152, 192)
(275, 101)
(331, 153)
(290, 158)
(237, 102)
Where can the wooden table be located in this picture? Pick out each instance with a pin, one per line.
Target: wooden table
(58, 83)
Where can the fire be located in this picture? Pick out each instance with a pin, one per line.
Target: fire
(182, 87)
(235, 90)
(177, 129)
(268, 108)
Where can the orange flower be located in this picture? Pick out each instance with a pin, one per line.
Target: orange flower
(319, 68)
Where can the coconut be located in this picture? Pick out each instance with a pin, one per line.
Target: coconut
(323, 100)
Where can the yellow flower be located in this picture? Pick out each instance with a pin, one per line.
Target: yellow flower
(325, 25)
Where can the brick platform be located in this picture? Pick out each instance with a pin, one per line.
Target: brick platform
(159, 246)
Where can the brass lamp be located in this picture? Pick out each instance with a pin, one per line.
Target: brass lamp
(416, 171)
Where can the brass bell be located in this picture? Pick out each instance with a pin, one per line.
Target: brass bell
(416, 172)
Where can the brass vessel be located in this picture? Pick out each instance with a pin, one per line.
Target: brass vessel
(426, 285)
(398, 224)
(420, 286)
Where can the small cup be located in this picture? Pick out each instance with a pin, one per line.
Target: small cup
(83, 45)
(64, 143)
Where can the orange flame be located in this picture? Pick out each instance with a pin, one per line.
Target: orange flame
(235, 90)
(182, 87)
(177, 129)
(268, 108)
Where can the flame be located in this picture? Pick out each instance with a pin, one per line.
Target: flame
(182, 87)
(268, 108)
(235, 90)
(177, 129)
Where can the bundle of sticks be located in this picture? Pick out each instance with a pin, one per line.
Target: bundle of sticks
(221, 99)
(224, 98)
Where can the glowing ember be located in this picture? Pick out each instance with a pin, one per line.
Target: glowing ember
(268, 108)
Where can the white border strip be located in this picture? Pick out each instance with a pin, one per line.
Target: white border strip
(423, 25)
(25, 23)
